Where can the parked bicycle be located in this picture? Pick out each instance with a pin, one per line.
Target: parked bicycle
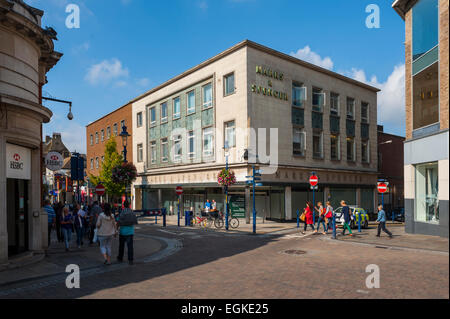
(219, 222)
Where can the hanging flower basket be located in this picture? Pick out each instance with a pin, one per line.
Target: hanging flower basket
(226, 178)
(124, 174)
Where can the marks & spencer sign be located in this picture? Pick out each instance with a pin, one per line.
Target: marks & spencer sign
(18, 162)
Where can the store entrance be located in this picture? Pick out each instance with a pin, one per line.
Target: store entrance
(17, 217)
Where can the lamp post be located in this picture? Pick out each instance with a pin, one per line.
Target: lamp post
(124, 134)
(226, 152)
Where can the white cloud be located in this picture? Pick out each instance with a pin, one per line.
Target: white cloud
(73, 134)
(312, 57)
(203, 5)
(144, 82)
(106, 71)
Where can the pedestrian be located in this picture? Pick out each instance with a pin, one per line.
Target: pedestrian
(214, 205)
(382, 222)
(51, 218)
(321, 219)
(79, 224)
(66, 226)
(207, 206)
(106, 229)
(346, 213)
(93, 216)
(59, 212)
(126, 219)
(329, 215)
(308, 216)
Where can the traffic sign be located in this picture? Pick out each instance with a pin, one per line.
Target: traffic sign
(382, 187)
(54, 161)
(100, 190)
(179, 190)
(259, 184)
(314, 188)
(313, 180)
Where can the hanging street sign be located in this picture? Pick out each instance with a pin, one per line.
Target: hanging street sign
(382, 187)
(313, 180)
(179, 190)
(100, 190)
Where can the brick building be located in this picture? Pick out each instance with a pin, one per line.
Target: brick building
(99, 132)
(426, 145)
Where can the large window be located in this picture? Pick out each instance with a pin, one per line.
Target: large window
(335, 147)
(164, 112)
(207, 96)
(96, 137)
(177, 148)
(350, 108)
(299, 142)
(115, 129)
(108, 132)
(334, 103)
(230, 134)
(103, 135)
(191, 144)
(191, 102)
(92, 163)
(153, 152)
(365, 151)
(96, 163)
(208, 140)
(122, 124)
(317, 145)
(351, 149)
(424, 26)
(164, 150)
(364, 112)
(318, 99)
(229, 84)
(426, 97)
(176, 108)
(139, 119)
(153, 116)
(427, 189)
(92, 139)
(140, 153)
(298, 94)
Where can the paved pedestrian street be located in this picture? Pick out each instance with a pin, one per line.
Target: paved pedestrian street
(197, 263)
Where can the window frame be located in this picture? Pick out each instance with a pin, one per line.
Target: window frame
(164, 119)
(302, 133)
(205, 154)
(176, 116)
(225, 84)
(139, 119)
(207, 105)
(189, 111)
(225, 135)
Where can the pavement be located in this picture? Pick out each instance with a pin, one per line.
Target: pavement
(196, 263)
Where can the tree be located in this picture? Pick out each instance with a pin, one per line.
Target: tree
(112, 160)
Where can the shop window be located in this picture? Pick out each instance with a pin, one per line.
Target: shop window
(229, 84)
(427, 190)
(425, 28)
(426, 97)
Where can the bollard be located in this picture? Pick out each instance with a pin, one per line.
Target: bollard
(156, 220)
(334, 226)
(164, 217)
(359, 222)
(298, 218)
(393, 216)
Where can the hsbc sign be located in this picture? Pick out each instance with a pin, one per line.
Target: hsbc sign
(18, 162)
(54, 161)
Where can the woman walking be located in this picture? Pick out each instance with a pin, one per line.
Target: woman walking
(66, 226)
(106, 229)
(329, 216)
(308, 216)
(321, 219)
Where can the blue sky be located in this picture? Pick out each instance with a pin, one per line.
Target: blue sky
(125, 47)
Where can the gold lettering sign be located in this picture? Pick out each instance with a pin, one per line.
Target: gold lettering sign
(269, 91)
(269, 73)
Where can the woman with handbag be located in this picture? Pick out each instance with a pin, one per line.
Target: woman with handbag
(321, 218)
(308, 216)
(106, 229)
(328, 215)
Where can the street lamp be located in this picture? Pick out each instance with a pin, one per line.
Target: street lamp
(386, 142)
(124, 136)
(226, 153)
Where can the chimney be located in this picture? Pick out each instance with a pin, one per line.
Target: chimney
(47, 139)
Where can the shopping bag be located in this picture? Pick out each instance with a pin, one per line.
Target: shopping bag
(95, 236)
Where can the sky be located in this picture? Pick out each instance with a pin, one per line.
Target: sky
(123, 48)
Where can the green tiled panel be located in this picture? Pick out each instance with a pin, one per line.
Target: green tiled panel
(154, 133)
(365, 130)
(350, 128)
(208, 117)
(426, 60)
(178, 124)
(334, 124)
(165, 130)
(317, 120)
(298, 116)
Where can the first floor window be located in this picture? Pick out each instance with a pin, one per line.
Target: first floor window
(335, 147)
(299, 145)
(350, 149)
(208, 139)
(427, 191)
(191, 144)
(230, 134)
(140, 153)
(365, 151)
(177, 148)
(153, 152)
(426, 97)
(317, 145)
(164, 150)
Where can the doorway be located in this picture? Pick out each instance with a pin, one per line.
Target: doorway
(17, 216)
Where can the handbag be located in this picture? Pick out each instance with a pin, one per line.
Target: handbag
(94, 240)
(303, 217)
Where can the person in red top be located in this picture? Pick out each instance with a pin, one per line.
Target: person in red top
(308, 216)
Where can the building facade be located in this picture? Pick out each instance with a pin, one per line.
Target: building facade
(426, 145)
(323, 121)
(26, 55)
(99, 132)
(390, 168)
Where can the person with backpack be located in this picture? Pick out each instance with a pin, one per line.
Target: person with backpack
(106, 229)
(126, 220)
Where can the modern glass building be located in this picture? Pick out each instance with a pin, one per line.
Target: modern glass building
(426, 146)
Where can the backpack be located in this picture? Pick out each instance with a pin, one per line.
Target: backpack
(127, 218)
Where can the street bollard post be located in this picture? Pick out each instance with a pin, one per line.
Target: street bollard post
(334, 226)
(298, 218)
(156, 220)
(178, 211)
(359, 222)
(164, 216)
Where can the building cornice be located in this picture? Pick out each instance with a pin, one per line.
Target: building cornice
(403, 6)
(41, 110)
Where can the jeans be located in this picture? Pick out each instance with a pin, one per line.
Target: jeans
(59, 232)
(105, 244)
(50, 227)
(122, 241)
(306, 225)
(382, 226)
(67, 233)
(91, 233)
(322, 221)
(80, 233)
(346, 226)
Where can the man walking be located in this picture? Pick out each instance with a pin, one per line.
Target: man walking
(346, 213)
(95, 212)
(126, 220)
(382, 222)
(51, 218)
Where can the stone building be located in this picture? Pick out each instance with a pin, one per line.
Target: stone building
(426, 145)
(26, 55)
(326, 123)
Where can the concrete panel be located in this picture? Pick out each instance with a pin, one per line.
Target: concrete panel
(432, 148)
(443, 180)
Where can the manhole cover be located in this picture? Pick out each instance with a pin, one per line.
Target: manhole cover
(295, 252)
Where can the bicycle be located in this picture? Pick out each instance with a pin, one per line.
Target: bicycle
(219, 222)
